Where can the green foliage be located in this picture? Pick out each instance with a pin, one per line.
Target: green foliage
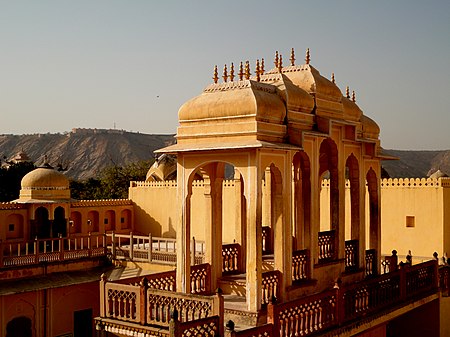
(112, 182)
(10, 178)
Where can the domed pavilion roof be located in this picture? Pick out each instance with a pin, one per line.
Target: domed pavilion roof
(44, 184)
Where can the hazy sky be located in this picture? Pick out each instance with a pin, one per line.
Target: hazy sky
(132, 64)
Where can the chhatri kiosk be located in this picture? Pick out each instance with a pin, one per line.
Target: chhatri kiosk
(282, 131)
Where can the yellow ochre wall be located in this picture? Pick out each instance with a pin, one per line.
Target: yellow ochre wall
(427, 200)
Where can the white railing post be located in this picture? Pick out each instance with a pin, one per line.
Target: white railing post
(150, 247)
(193, 251)
(131, 246)
(113, 245)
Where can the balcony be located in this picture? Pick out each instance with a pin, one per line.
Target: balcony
(139, 305)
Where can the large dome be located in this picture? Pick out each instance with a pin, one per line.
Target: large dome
(44, 177)
(44, 184)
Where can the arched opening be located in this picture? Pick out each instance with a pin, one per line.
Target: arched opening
(125, 219)
(93, 221)
(75, 224)
(302, 216)
(110, 220)
(329, 227)
(59, 225)
(302, 200)
(14, 226)
(40, 226)
(373, 235)
(352, 232)
(374, 223)
(19, 327)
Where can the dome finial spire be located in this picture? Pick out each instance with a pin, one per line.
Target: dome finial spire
(332, 78)
(241, 71)
(292, 57)
(262, 66)
(353, 96)
(308, 57)
(247, 70)
(232, 72)
(347, 92)
(225, 73)
(280, 64)
(276, 59)
(258, 71)
(216, 75)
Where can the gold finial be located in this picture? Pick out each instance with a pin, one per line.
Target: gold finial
(225, 73)
(332, 78)
(241, 72)
(308, 57)
(247, 70)
(232, 72)
(292, 57)
(276, 59)
(353, 96)
(257, 71)
(280, 64)
(262, 66)
(216, 75)
(347, 92)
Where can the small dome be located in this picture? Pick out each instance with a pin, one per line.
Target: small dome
(44, 177)
(44, 184)
(438, 174)
(164, 168)
(235, 99)
(352, 112)
(370, 128)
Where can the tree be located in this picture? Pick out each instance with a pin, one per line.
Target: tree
(10, 179)
(112, 182)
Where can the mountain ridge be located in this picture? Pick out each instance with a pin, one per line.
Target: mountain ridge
(85, 152)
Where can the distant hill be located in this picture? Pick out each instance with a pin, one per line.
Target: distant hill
(84, 152)
(416, 164)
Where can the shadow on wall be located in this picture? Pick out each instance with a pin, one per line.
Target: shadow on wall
(171, 233)
(145, 223)
(19, 327)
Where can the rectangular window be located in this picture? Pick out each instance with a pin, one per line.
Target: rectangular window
(410, 221)
(105, 221)
(122, 220)
(11, 227)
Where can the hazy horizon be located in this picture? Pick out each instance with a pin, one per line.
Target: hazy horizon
(100, 64)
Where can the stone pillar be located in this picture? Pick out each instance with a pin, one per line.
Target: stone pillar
(184, 192)
(254, 239)
(213, 210)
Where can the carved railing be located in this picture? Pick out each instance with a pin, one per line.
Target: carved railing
(372, 295)
(312, 314)
(304, 316)
(300, 268)
(267, 244)
(200, 279)
(444, 279)
(122, 302)
(208, 326)
(271, 286)
(389, 263)
(231, 258)
(31, 252)
(160, 304)
(371, 261)
(265, 330)
(327, 249)
(351, 255)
